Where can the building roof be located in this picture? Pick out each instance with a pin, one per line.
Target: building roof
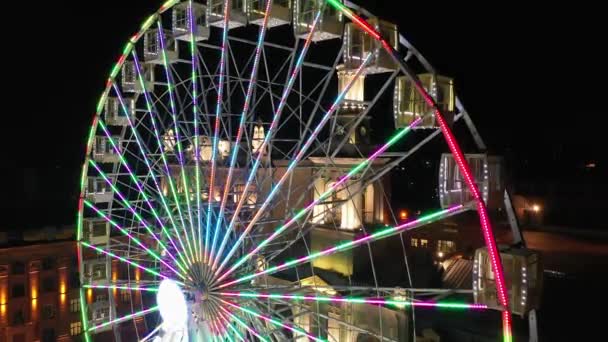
(458, 274)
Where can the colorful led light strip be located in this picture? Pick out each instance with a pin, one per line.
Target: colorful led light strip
(140, 219)
(132, 263)
(228, 323)
(372, 300)
(151, 113)
(460, 160)
(133, 238)
(400, 134)
(197, 167)
(269, 135)
(274, 321)
(351, 244)
(124, 318)
(118, 287)
(216, 132)
(168, 5)
(239, 134)
(83, 312)
(150, 172)
(243, 324)
(178, 143)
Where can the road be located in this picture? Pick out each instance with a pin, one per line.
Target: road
(570, 254)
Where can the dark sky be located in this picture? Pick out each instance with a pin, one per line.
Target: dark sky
(532, 77)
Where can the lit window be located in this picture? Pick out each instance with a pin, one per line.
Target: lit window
(75, 305)
(424, 243)
(414, 242)
(75, 328)
(446, 246)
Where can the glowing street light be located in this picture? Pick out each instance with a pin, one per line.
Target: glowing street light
(536, 208)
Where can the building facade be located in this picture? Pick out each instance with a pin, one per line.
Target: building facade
(39, 292)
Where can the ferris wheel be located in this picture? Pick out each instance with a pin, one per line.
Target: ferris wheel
(233, 188)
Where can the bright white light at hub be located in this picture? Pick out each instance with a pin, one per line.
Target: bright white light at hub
(172, 304)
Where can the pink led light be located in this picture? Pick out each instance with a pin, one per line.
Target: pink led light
(345, 246)
(372, 300)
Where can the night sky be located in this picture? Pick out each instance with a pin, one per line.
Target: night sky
(532, 78)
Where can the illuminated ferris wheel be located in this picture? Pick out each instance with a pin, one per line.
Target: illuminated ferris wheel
(233, 190)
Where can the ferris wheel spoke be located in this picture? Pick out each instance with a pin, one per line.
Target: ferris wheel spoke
(121, 287)
(241, 129)
(138, 183)
(229, 324)
(152, 333)
(354, 243)
(221, 326)
(354, 300)
(167, 172)
(193, 50)
(262, 148)
(242, 323)
(133, 238)
(273, 321)
(210, 248)
(180, 155)
(127, 261)
(140, 219)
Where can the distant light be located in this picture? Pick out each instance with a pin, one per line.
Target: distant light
(590, 165)
(403, 214)
(536, 208)
(440, 254)
(172, 304)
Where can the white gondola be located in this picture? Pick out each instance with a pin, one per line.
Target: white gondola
(117, 113)
(524, 276)
(237, 17)
(98, 191)
(153, 47)
(488, 174)
(352, 107)
(103, 152)
(280, 12)
(330, 25)
(96, 231)
(97, 271)
(130, 79)
(182, 29)
(410, 105)
(359, 44)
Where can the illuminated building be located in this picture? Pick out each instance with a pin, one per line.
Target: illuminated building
(39, 299)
